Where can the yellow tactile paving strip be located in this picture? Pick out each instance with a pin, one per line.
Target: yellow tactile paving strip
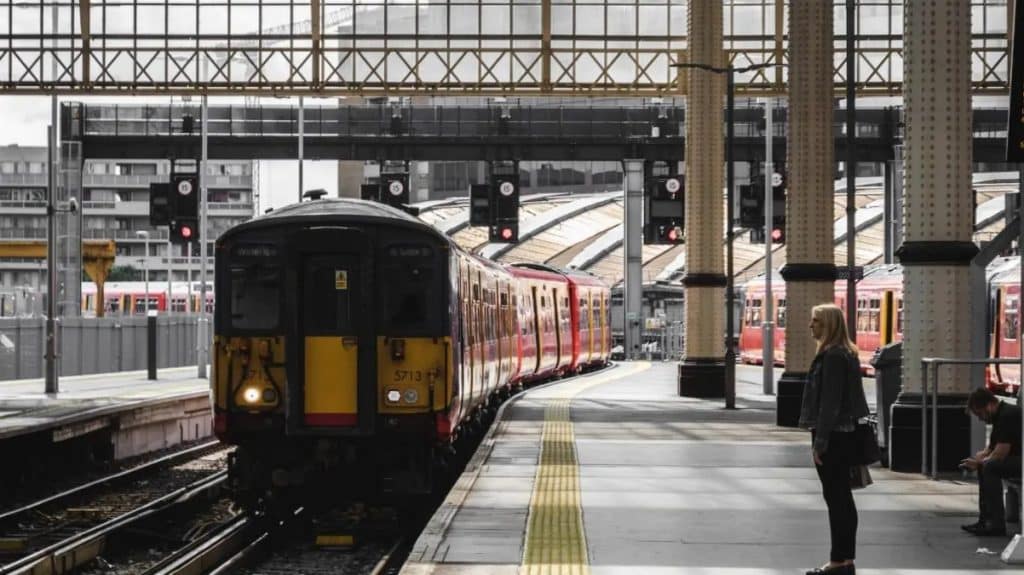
(555, 541)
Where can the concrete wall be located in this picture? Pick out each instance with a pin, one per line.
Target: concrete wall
(94, 345)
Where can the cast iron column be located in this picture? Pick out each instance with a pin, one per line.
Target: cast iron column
(702, 371)
(938, 225)
(810, 270)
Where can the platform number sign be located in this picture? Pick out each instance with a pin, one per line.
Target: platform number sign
(1015, 120)
(672, 185)
(507, 189)
(395, 189)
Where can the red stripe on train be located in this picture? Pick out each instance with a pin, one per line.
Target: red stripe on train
(331, 419)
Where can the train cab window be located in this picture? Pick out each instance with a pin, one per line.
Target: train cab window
(1011, 310)
(255, 296)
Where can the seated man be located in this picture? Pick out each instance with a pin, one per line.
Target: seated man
(1000, 460)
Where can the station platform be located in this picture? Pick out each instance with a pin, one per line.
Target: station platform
(138, 414)
(613, 473)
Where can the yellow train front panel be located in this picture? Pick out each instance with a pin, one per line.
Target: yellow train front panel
(411, 370)
(331, 382)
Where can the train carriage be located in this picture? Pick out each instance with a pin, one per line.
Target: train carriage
(356, 346)
(879, 315)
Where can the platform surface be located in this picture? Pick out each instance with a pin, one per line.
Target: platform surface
(25, 408)
(648, 482)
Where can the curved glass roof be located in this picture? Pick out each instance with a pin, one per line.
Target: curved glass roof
(584, 231)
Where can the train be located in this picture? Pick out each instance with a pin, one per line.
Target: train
(129, 298)
(880, 318)
(358, 350)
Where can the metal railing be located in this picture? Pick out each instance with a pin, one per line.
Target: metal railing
(933, 363)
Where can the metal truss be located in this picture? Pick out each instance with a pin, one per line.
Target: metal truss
(429, 47)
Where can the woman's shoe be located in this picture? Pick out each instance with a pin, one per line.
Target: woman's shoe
(838, 570)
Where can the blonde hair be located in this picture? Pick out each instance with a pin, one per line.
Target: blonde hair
(833, 328)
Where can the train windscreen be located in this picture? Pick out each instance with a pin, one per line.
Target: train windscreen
(255, 296)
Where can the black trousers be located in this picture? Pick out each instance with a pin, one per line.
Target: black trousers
(990, 488)
(834, 473)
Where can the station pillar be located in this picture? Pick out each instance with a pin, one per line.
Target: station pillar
(702, 370)
(810, 269)
(938, 225)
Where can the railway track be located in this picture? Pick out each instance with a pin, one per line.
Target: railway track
(68, 530)
(250, 545)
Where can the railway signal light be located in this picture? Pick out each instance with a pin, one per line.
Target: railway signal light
(159, 204)
(779, 207)
(664, 210)
(479, 205)
(184, 207)
(751, 205)
(504, 233)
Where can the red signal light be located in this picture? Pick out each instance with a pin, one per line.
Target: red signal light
(186, 232)
(506, 233)
(672, 236)
(776, 235)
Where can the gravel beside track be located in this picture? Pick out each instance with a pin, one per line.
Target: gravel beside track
(37, 526)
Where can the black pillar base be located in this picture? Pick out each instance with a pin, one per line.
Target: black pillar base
(702, 378)
(788, 398)
(954, 441)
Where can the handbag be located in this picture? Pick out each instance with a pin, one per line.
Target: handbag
(860, 477)
(865, 446)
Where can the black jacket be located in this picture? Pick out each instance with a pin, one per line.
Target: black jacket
(833, 395)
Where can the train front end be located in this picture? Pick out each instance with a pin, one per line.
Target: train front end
(332, 357)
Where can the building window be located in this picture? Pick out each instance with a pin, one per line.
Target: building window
(135, 169)
(6, 167)
(97, 168)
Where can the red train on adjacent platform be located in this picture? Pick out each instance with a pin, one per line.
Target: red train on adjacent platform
(880, 319)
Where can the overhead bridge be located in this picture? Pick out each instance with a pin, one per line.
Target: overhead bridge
(443, 133)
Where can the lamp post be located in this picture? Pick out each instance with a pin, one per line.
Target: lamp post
(730, 332)
(51, 372)
(145, 264)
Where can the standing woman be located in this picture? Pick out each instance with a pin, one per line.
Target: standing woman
(833, 401)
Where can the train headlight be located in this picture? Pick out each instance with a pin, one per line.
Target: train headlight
(251, 395)
(411, 396)
(394, 396)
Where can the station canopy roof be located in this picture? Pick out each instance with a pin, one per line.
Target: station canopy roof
(584, 231)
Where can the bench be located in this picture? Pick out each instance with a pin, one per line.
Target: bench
(1012, 500)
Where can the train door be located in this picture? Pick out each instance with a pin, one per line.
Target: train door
(335, 343)
(1009, 332)
(560, 358)
(780, 332)
(464, 333)
(546, 353)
